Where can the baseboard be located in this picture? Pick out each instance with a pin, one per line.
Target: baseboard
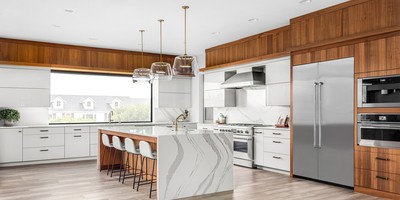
(274, 170)
(376, 193)
(46, 161)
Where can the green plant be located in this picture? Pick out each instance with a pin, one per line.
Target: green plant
(9, 115)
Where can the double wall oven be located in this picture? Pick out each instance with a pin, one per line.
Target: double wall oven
(379, 130)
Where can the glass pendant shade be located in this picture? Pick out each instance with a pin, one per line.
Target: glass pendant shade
(141, 75)
(161, 71)
(184, 65)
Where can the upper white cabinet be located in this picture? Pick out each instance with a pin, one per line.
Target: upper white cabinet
(278, 72)
(278, 83)
(24, 86)
(10, 145)
(214, 96)
(175, 93)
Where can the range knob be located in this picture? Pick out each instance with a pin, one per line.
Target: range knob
(247, 132)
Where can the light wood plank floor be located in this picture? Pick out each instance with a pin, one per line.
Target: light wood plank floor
(81, 180)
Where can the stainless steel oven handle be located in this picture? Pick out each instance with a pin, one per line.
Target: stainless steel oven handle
(319, 115)
(379, 127)
(315, 114)
(242, 139)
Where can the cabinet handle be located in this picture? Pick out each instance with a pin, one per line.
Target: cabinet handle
(276, 134)
(44, 137)
(382, 177)
(77, 135)
(77, 129)
(276, 157)
(258, 132)
(44, 150)
(19, 131)
(204, 128)
(383, 159)
(44, 131)
(277, 142)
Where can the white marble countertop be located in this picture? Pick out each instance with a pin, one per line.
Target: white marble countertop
(272, 128)
(90, 125)
(156, 131)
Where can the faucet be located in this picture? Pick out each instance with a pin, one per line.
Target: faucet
(184, 115)
(110, 115)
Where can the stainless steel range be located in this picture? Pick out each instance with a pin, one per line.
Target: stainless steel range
(243, 142)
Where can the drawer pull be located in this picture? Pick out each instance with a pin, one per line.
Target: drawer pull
(278, 142)
(276, 157)
(42, 150)
(44, 131)
(77, 135)
(276, 134)
(19, 131)
(384, 159)
(258, 132)
(382, 177)
(78, 129)
(44, 137)
(204, 128)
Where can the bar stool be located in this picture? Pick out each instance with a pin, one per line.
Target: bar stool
(118, 145)
(131, 148)
(147, 153)
(106, 143)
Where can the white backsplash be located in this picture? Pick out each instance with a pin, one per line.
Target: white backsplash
(31, 116)
(168, 114)
(251, 108)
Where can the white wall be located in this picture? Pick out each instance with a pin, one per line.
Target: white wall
(31, 116)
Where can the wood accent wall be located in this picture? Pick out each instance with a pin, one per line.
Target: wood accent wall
(74, 58)
(270, 44)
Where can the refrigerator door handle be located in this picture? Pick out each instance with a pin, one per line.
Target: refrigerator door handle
(319, 115)
(315, 113)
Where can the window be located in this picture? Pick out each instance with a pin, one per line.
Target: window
(89, 98)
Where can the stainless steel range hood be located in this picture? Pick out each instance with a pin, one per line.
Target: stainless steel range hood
(249, 77)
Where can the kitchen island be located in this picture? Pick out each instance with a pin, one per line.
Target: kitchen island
(189, 162)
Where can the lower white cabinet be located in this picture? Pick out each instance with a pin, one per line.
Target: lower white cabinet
(43, 153)
(277, 161)
(43, 140)
(94, 150)
(209, 127)
(10, 145)
(277, 145)
(77, 145)
(259, 147)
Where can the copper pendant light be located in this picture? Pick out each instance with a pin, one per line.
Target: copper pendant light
(141, 74)
(161, 70)
(185, 64)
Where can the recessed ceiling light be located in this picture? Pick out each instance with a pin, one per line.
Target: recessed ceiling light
(253, 20)
(56, 26)
(92, 38)
(69, 10)
(305, 1)
(216, 33)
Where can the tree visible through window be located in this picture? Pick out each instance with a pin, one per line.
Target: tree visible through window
(129, 102)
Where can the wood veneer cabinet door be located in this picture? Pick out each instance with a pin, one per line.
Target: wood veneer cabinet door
(377, 180)
(393, 52)
(108, 60)
(370, 56)
(374, 161)
(8, 51)
(30, 53)
(70, 56)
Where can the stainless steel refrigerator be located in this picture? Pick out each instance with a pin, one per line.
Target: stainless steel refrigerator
(323, 115)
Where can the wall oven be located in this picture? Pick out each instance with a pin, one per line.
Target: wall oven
(379, 92)
(379, 130)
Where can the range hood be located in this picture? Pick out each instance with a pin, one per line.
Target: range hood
(249, 77)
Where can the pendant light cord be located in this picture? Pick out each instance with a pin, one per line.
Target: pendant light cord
(185, 8)
(161, 21)
(141, 33)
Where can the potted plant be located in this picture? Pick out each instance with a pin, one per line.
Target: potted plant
(10, 116)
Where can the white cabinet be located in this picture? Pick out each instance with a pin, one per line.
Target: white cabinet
(212, 81)
(277, 72)
(77, 142)
(10, 145)
(43, 140)
(209, 127)
(175, 93)
(43, 153)
(24, 86)
(277, 161)
(220, 98)
(278, 83)
(43, 143)
(258, 147)
(278, 94)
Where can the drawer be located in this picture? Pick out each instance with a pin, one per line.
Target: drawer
(277, 161)
(277, 145)
(377, 180)
(94, 138)
(43, 140)
(32, 131)
(76, 129)
(380, 162)
(93, 150)
(44, 153)
(277, 133)
(77, 145)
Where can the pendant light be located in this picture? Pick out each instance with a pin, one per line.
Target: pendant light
(185, 64)
(161, 70)
(141, 74)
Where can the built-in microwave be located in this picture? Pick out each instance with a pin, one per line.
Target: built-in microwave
(379, 92)
(379, 130)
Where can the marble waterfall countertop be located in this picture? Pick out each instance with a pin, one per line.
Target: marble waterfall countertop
(189, 162)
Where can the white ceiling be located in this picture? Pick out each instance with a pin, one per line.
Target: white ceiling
(115, 23)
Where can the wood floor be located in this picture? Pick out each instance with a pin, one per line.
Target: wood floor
(81, 180)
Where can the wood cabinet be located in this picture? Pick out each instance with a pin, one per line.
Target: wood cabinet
(8, 51)
(73, 57)
(374, 161)
(31, 53)
(10, 145)
(380, 181)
